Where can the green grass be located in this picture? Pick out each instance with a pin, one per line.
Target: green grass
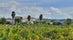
(36, 32)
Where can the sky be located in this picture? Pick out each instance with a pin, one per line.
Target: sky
(51, 9)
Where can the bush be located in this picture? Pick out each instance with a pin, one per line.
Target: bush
(2, 20)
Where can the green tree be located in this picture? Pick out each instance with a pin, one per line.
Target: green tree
(29, 18)
(13, 17)
(41, 17)
(68, 21)
(3, 20)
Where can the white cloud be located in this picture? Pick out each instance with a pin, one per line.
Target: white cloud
(36, 11)
(33, 10)
(55, 10)
(60, 12)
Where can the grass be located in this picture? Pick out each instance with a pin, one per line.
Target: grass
(36, 32)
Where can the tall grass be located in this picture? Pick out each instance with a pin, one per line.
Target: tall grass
(36, 32)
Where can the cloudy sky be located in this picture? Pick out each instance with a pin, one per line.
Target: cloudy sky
(56, 9)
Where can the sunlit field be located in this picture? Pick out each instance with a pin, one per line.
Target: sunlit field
(36, 32)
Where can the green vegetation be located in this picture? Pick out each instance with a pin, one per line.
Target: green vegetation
(41, 30)
(41, 17)
(2, 20)
(68, 21)
(29, 17)
(36, 32)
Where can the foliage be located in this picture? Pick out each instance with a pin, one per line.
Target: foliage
(29, 17)
(13, 14)
(68, 21)
(41, 17)
(2, 20)
(36, 32)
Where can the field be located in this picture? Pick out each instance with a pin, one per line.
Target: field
(36, 32)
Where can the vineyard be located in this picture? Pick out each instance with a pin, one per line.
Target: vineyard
(36, 32)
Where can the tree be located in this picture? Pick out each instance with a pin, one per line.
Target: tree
(3, 20)
(29, 18)
(41, 17)
(13, 17)
(68, 21)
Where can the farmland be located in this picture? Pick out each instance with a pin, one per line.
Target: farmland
(36, 32)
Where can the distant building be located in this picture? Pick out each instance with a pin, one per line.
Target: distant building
(32, 19)
(8, 21)
(18, 17)
(50, 21)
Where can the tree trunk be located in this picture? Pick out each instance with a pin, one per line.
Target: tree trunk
(13, 20)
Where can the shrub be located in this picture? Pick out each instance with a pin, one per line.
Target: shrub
(3, 20)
